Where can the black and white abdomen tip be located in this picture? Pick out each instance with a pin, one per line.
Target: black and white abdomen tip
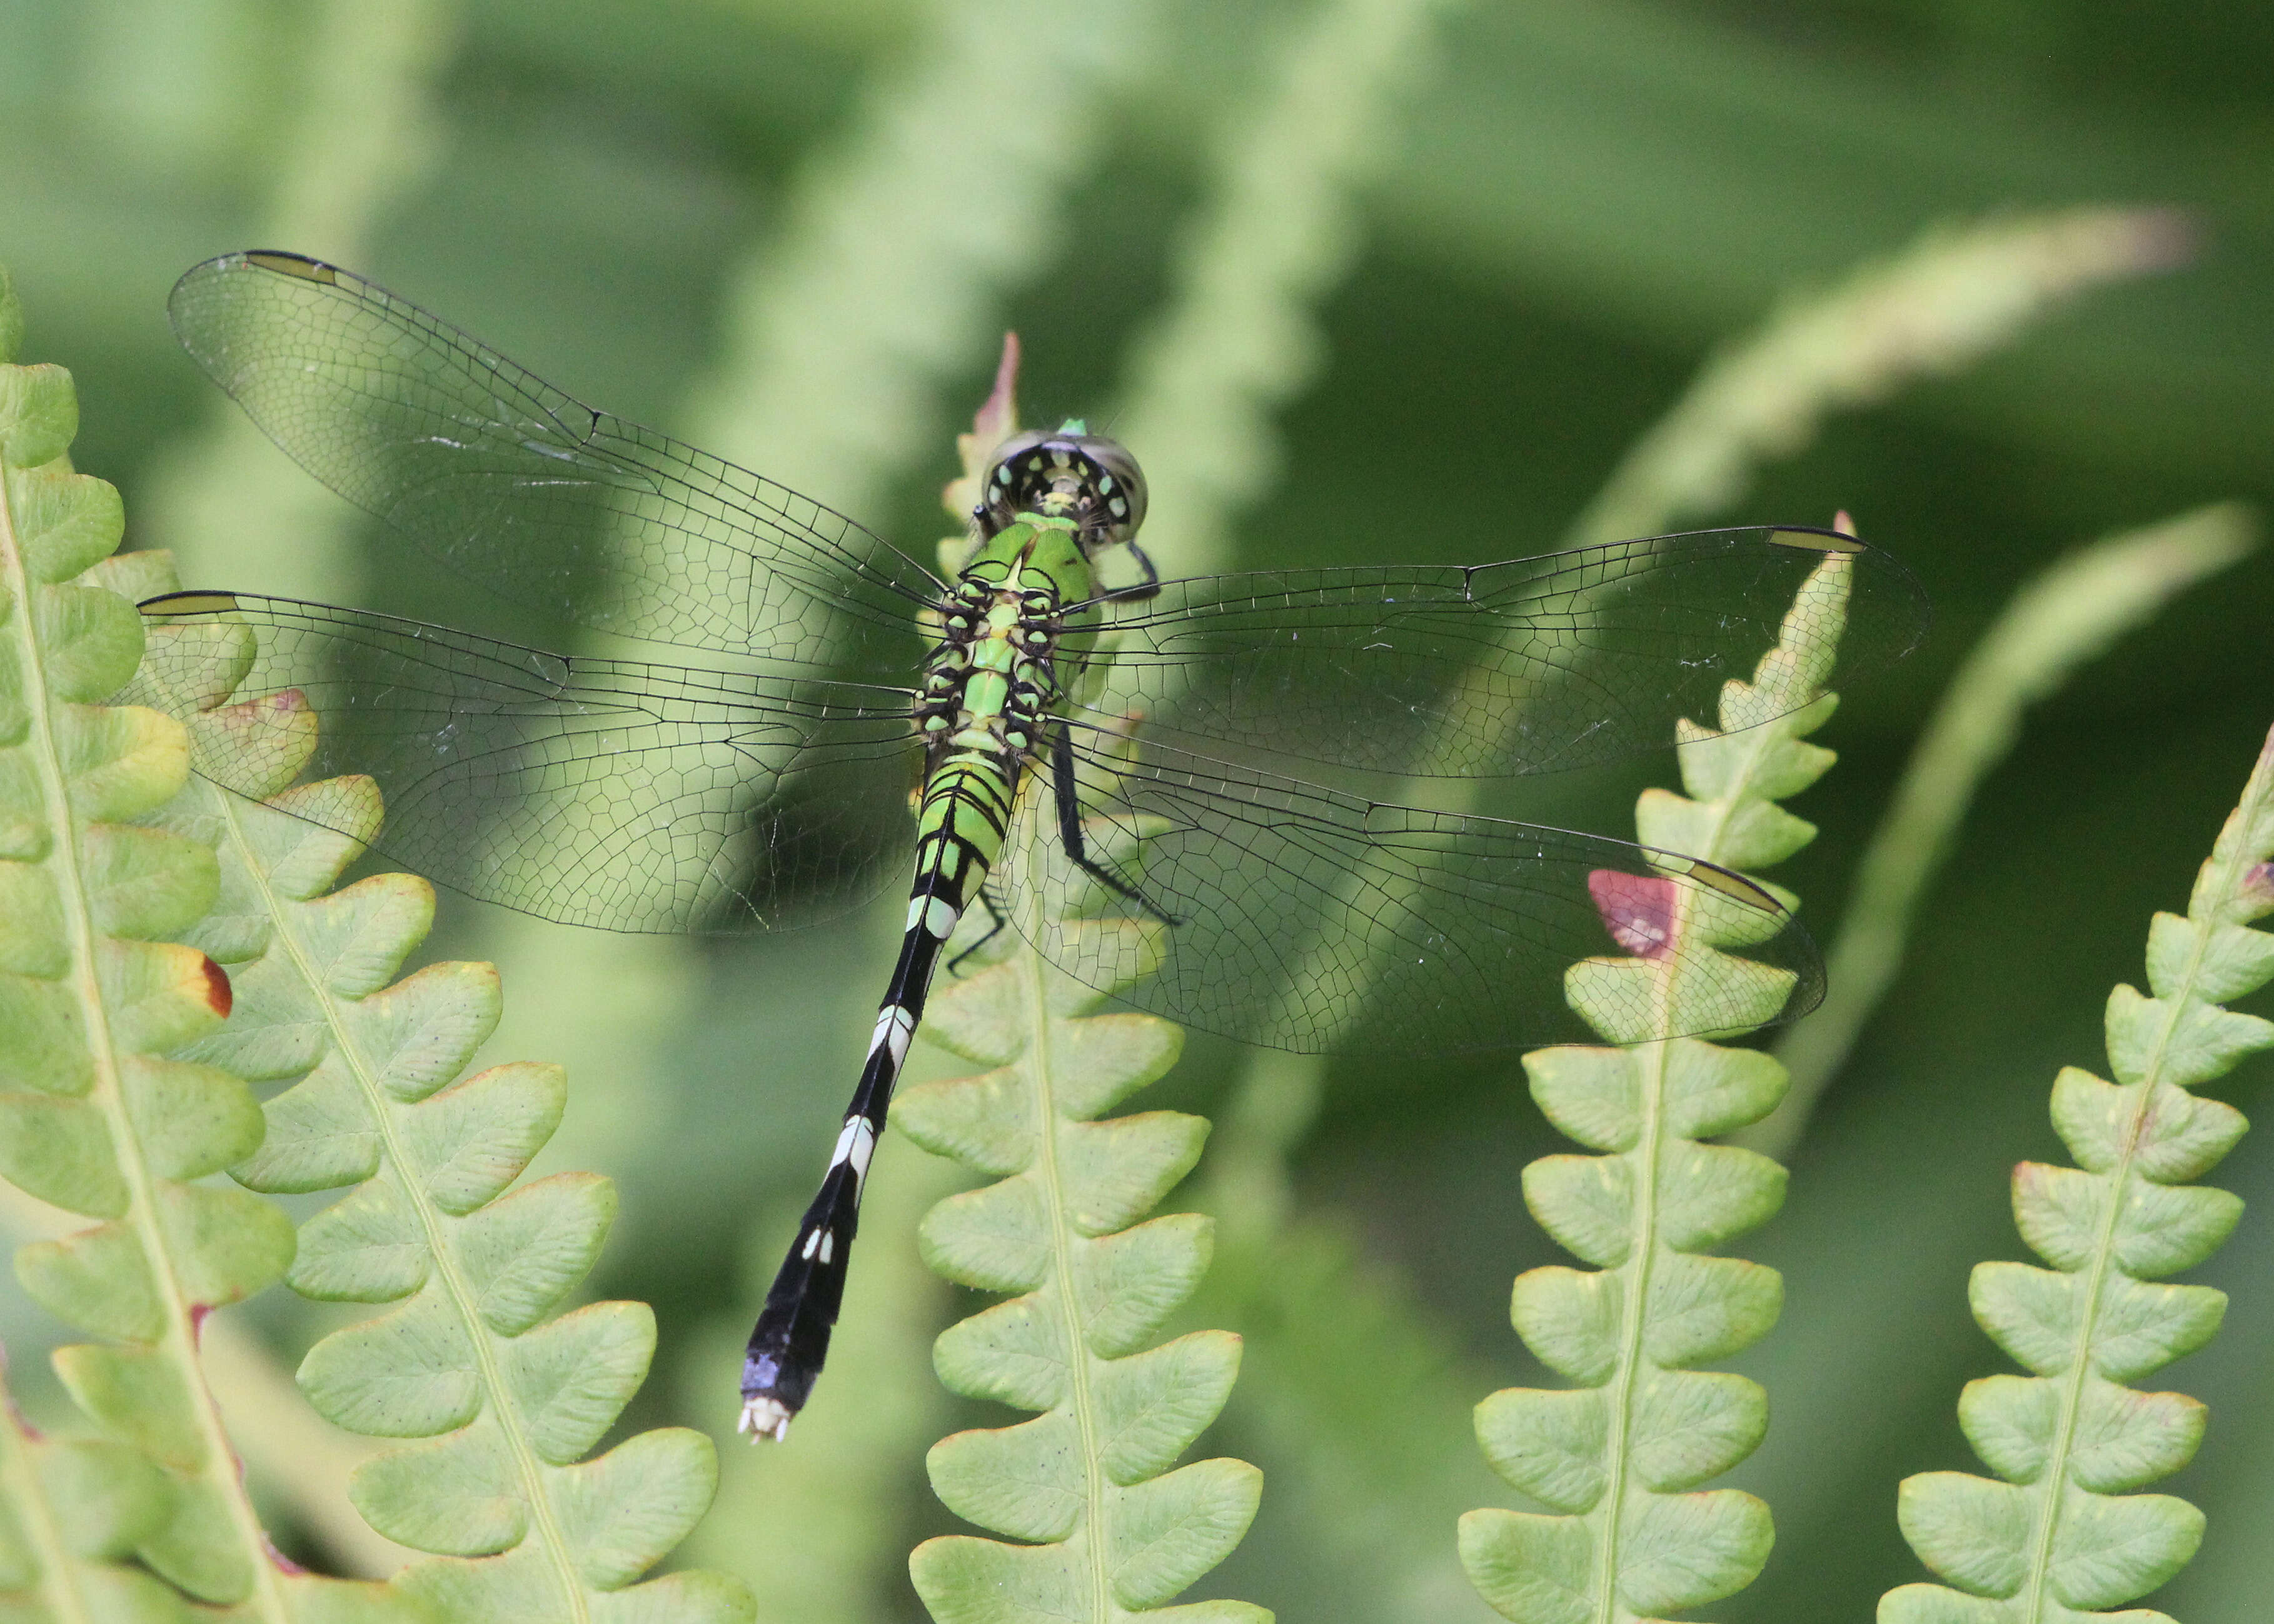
(764, 1417)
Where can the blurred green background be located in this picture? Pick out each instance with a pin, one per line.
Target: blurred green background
(1488, 246)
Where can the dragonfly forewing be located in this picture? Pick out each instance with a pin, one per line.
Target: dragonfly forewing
(519, 486)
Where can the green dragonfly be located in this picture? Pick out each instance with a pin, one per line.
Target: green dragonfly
(767, 775)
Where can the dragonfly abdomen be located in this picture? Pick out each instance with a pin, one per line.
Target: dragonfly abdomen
(981, 712)
(965, 810)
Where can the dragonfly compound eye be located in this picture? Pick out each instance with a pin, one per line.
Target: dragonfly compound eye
(1068, 473)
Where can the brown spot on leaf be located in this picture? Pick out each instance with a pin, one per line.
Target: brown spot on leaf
(1636, 909)
(2257, 896)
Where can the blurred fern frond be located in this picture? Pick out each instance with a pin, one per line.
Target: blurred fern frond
(1941, 305)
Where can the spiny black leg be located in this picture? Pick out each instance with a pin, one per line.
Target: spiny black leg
(995, 926)
(1150, 587)
(1070, 829)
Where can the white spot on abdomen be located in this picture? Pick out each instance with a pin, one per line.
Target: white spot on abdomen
(857, 1144)
(894, 1026)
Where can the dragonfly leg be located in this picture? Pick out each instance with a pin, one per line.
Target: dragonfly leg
(995, 927)
(1139, 590)
(1070, 832)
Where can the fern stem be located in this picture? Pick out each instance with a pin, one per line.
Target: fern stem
(1082, 1403)
(2072, 1380)
(2066, 616)
(444, 1260)
(177, 1339)
(1625, 1379)
(1651, 1160)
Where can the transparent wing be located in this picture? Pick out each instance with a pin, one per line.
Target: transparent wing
(1308, 920)
(608, 792)
(529, 493)
(1533, 665)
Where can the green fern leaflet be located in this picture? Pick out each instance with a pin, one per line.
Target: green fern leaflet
(766, 781)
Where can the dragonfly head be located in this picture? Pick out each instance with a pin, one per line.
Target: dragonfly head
(1065, 473)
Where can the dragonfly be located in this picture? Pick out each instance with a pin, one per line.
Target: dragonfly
(835, 715)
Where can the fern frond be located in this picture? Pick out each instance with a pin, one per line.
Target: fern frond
(1935, 308)
(97, 1117)
(2059, 620)
(1618, 1458)
(2061, 1539)
(507, 1394)
(76, 1512)
(1930, 308)
(1280, 233)
(1118, 1533)
(901, 242)
(72, 1513)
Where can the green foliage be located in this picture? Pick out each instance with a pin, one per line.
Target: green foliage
(511, 1394)
(101, 1116)
(1617, 1460)
(2061, 1539)
(1119, 1534)
(1285, 165)
(1590, 197)
(879, 279)
(1940, 303)
(72, 1515)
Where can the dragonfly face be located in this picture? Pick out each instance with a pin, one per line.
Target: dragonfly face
(1065, 473)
